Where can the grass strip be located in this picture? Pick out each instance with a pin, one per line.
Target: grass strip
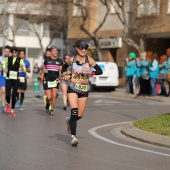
(157, 124)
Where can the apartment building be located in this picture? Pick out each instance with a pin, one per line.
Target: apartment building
(26, 24)
(156, 25)
(153, 16)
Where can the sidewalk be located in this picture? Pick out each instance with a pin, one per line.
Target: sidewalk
(120, 92)
(138, 134)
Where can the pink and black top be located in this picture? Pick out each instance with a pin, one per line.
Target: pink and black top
(52, 65)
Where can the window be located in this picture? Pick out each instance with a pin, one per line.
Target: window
(148, 7)
(77, 10)
(23, 26)
(34, 52)
(168, 6)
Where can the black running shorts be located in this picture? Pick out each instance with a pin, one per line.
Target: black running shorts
(45, 85)
(79, 95)
(23, 86)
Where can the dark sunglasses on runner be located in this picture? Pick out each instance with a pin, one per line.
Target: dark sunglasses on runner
(81, 48)
(14, 51)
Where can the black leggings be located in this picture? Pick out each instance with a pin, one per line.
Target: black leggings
(11, 85)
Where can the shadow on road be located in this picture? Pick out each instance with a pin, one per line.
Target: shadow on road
(61, 137)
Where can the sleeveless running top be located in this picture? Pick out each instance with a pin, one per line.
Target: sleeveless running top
(79, 81)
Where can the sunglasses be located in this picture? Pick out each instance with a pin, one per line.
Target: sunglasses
(81, 48)
(14, 52)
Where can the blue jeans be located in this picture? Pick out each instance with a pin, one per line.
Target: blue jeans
(163, 89)
(129, 81)
(152, 83)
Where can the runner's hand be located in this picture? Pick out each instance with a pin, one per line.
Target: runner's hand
(60, 68)
(21, 65)
(5, 70)
(45, 70)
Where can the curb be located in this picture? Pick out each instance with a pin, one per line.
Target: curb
(146, 137)
(134, 96)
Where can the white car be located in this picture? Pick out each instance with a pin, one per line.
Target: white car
(109, 78)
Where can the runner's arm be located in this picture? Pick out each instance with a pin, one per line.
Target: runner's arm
(28, 68)
(67, 64)
(22, 65)
(98, 70)
(5, 65)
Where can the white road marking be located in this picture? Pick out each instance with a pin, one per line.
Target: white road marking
(93, 132)
(106, 101)
(111, 102)
(104, 104)
(130, 104)
(158, 103)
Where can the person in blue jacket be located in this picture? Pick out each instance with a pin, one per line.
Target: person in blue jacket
(153, 72)
(130, 70)
(143, 66)
(162, 74)
(167, 67)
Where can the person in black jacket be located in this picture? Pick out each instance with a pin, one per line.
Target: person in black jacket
(11, 67)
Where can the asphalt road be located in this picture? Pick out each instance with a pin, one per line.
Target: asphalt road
(34, 141)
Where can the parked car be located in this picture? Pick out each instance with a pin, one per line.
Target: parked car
(109, 78)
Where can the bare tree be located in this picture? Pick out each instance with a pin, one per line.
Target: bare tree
(8, 22)
(55, 17)
(85, 18)
(134, 30)
(134, 27)
(35, 12)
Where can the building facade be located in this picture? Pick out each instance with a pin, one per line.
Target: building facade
(153, 16)
(26, 25)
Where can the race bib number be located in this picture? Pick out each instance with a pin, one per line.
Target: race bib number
(81, 87)
(52, 84)
(13, 75)
(22, 79)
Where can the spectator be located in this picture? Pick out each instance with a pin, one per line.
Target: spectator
(162, 72)
(167, 66)
(153, 73)
(143, 64)
(36, 70)
(130, 70)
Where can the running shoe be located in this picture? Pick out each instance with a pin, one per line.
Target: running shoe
(68, 125)
(21, 108)
(7, 108)
(17, 103)
(47, 110)
(74, 141)
(51, 113)
(65, 108)
(38, 96)
(12, 113)
(47, 107)
(3, 108)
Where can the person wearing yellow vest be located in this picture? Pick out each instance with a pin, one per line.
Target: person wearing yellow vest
(11, 67)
